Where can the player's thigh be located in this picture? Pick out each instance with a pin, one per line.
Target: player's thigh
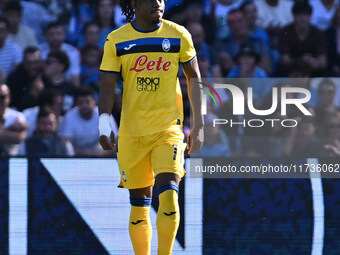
(134, 159)
(167, 156)
(141, 193)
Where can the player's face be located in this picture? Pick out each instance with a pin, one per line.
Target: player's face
(150, 11)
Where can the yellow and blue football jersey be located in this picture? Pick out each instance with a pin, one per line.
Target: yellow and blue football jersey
(148, 62)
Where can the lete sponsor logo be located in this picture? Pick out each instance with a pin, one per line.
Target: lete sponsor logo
(143, 63)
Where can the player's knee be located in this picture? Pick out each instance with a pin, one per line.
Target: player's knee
(163, 179)
(141, 193)
(168, 202)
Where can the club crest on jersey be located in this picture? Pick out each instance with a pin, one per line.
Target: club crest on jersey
(166, 45)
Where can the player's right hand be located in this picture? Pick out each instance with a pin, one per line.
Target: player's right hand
(195, 140)
(108, 143)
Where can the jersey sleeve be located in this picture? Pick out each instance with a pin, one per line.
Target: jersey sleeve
(110, 61)
(187, 50)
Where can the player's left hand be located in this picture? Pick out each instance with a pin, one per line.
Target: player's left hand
(195, 140)
(107, 143)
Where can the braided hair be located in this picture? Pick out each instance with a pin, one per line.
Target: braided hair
(127, 9)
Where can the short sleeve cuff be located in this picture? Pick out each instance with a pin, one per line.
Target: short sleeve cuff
(112, 72)
(186, 62)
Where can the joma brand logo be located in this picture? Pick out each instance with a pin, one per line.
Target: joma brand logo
(143, 63)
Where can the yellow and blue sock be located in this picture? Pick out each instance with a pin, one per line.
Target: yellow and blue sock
(167, 218)
(140, 225)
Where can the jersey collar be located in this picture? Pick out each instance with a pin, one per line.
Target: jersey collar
(145, 31)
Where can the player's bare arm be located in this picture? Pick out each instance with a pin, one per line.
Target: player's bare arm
(195, 139)
(107, 86)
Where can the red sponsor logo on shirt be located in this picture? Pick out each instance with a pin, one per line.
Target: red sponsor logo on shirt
(143, 63)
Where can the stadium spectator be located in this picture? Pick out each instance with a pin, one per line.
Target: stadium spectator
(234, 132)
(61, 9)
(216, 142)
(198, 37)
(229, 48)
(274, 136)
(55, 67)
(45, 141)
(251, 14)
(105, 19)
(274, 14)
(246, 65)
(201, 46)
(2, 5)
(3, 150)
(21, 34)
(330, 132)
(2, 76)
(14, 127)
(333, 45)
(323, 13)
(50, 98)
(193, 13)
(325, 105)
(91, 57)
(271, 41)
(300, 76)
(176, 14)
(36, 17)
(25, 81)
(90, 35)
(204, 66)
(219, 10)
(83, 11)
(80, 125)
(10, 52)
(55, 40)
(301, 140)
(298, 43)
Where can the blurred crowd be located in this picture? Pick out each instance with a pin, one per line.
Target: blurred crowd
(50, 52)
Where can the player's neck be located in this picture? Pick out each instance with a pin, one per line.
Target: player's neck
(145, 26)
